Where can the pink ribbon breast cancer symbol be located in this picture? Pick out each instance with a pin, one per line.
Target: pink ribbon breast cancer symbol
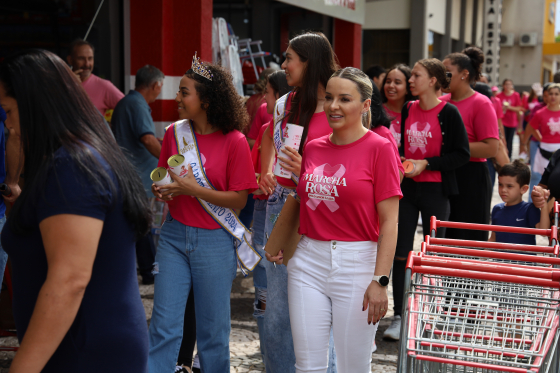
(325, 170)
(418, 137)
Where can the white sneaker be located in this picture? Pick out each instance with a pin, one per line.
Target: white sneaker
(394, 331)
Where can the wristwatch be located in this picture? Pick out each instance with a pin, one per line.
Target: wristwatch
(428, 167)
(381, 280)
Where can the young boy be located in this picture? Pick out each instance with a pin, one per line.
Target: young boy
(513, 181)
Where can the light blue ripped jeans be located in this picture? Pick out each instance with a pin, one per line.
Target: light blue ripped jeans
(206, 258)
(277, 329)
(259, 273)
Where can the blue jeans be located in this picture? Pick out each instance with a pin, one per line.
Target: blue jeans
(259, 273)
(277, 328)
(206, 258)
(3, 254)
(535, 176)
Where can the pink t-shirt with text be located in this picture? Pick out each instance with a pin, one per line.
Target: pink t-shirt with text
(395, 127)
(423, 138)
(340, 186)
(261, 118)
(102, 93)
(510, 116)
(548, 124)
(386, 133)
(227, 163)
(479, 117)
(318, 127)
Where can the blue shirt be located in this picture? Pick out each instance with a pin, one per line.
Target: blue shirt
(109, 331)
(132, 119)
(523, 214)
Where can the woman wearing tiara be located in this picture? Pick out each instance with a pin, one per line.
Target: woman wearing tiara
(195, 247)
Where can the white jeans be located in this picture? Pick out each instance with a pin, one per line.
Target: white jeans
(327, 281)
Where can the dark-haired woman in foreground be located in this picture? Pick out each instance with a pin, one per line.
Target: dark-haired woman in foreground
(472, 203)
(436, 143)
(194, 246)
(71, 235)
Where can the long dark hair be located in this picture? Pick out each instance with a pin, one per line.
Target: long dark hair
(56, 112)
(407, 72)
(315, 49)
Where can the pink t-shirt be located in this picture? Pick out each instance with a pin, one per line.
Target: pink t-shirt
(548, 124)
(498, 107)
(423, 138)
(261, 118)
(510, 117)
(340, 186)
(227, 163)
(479, 117)
(318, 127)
(386, 133)
(395, 125)
(102, 93)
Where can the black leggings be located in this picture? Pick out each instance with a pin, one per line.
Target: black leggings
(424, 198)
(472, 204)
(189, 334)
(509, 132)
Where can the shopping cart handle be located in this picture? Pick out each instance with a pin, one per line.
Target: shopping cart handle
(490, 245)
(489, 367)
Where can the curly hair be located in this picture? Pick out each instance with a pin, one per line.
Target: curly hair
(224, 107)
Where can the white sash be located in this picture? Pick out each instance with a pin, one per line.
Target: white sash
(247, 256)
(278, 118)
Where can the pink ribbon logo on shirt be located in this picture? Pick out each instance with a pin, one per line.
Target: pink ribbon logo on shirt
(554, 125)
(325, 170)
(417, 138)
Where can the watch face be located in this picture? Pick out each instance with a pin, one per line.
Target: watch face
(384, 281)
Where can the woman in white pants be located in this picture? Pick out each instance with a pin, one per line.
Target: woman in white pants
(349, 190)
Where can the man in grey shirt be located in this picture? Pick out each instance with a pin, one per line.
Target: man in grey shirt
(135, 132)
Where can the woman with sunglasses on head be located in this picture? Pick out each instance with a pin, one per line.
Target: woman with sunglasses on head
(338, 275)
(394, 93)
(435, 145)
(201, 234)
(310, 62)
(472, 204)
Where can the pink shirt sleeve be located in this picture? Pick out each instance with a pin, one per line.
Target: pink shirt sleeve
(386, 133)
(536, 121)
(387, 181)
(485, 122)
(240, 171)
(498, 107)
(261, 118)
(112, 95)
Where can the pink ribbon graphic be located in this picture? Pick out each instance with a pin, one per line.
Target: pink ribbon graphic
(554, 125)
(312, 203)
(418, 138)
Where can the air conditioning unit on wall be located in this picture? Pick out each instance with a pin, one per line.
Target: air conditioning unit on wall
(506, 39)
(528, 39)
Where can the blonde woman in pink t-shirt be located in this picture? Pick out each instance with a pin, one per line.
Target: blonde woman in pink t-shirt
(338, 275)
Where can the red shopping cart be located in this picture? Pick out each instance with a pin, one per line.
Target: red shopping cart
(473, 306)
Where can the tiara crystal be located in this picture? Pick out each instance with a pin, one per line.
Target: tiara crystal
(199, 68)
